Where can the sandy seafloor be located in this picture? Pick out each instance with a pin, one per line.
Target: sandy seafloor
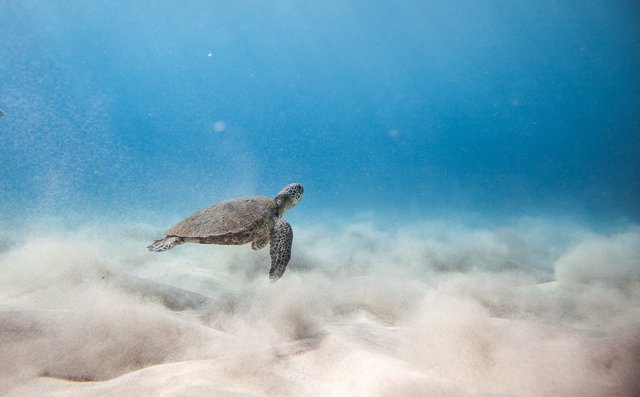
(426, 309)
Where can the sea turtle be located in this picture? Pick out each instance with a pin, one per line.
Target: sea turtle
(256, 220)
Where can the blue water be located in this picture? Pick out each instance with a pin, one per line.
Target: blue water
(497, 108)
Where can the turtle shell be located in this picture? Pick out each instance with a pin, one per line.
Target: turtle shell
(226, 217)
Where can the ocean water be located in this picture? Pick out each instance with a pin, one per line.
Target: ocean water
(471, 217)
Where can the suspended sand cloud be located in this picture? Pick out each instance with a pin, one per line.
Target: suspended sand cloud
(432, 309)
(219, 126)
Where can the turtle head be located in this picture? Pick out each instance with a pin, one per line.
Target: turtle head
(288, 197)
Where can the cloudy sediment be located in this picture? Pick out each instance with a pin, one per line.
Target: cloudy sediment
(426, 309)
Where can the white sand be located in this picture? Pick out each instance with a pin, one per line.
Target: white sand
(432, 309)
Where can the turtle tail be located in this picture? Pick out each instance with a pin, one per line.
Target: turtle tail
(165, 244)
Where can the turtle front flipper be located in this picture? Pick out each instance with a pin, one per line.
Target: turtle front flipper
(280, 250)
(259, 244)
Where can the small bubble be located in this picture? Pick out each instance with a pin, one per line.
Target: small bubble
(210, 54)
(219, 126)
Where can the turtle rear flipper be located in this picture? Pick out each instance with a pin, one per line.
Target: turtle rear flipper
(280, 249)
(165, 244)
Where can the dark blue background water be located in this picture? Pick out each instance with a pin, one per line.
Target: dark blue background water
(502, 108)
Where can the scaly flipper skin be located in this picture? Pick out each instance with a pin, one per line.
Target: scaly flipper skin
(165, 244)
(260, 244)
(280, 249)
